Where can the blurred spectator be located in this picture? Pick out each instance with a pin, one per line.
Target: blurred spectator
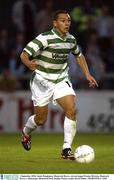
(110, 57)
(29, 13)
(17, 15)
(16, 68)
(84, 35)
(8, 82)
(97, 66)
(16, 49)
(43, 20)
(104, 26)
(88, 8)
(4, 50)
(82, 14)
(19, 42)
(23, 14)
(104, 23)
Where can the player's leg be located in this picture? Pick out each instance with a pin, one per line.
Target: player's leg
(41, 97)
(69, 107)
(38, 119)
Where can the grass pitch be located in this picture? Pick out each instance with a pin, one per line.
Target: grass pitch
(44, 157)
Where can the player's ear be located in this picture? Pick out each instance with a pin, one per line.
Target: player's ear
(54, 23)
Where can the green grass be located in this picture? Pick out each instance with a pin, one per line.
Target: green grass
(44, 157)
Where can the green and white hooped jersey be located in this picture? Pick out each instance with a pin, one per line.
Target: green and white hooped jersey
(52, 52)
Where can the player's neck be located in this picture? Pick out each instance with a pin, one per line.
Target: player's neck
(63, 36)
(59, 33)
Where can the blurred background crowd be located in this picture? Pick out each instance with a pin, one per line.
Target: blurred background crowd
(92, 25)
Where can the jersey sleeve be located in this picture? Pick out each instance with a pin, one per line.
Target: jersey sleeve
(76, 50)
(34, 47)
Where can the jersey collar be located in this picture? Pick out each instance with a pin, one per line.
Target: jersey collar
(55, 31)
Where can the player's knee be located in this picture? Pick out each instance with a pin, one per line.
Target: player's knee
(71, 113)
(40, 120)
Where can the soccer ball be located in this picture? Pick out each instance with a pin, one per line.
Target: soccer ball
(84, 154)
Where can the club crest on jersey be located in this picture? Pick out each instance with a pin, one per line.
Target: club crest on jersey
(59, 56)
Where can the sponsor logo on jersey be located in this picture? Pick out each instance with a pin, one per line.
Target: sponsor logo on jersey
(59, 56)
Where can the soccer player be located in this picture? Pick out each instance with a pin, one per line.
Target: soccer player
(50, 81)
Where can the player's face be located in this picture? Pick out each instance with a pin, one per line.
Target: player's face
(63, 23)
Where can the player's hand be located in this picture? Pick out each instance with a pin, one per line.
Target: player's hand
(32, 65)
(92, 82)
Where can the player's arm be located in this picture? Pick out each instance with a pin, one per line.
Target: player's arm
(31, 49)
(31, 64)
(83, 65)
(80, 59)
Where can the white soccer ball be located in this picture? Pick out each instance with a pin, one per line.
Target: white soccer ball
(84, 154)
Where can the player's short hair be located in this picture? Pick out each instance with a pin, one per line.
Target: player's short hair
(56, 14)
